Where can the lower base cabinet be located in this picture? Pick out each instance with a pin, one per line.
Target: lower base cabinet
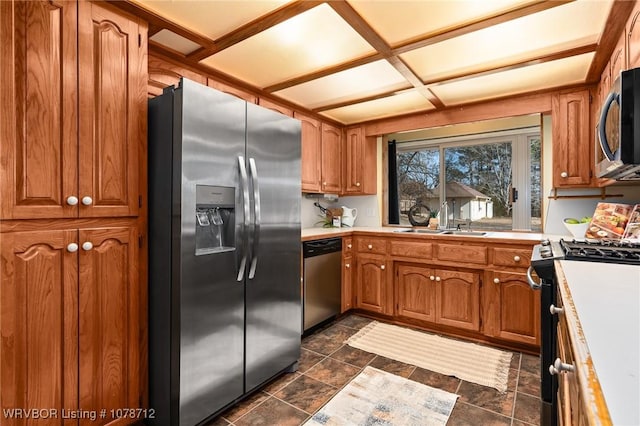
(371, 283)
(69, 326)
(437, 295)
(511, 308)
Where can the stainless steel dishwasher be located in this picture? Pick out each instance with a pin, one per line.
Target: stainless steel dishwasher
(322, 278)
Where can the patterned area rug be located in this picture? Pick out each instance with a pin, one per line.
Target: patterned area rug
(376, 397)
(467, 361)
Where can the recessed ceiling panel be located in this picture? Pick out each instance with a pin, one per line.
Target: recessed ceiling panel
(315, 39)
(547, 75)
(398, 21)
(559, 28)
(403, 103)
(211, 18)
(174, 41)
(360, 82)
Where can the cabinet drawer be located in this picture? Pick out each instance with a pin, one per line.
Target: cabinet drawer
(371, 245)
(511, 257)
(421, 250)
(347, 245)
(462, 254)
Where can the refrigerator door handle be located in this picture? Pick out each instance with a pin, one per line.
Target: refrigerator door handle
(245, 205)
(256, 217)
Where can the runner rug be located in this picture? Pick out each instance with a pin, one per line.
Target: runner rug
(467, 361)
(376, 397)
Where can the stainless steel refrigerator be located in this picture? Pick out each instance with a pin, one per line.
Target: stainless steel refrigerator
(224, 250)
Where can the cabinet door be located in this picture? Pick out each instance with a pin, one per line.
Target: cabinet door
(163, 73)
(360, 163)
(113, 79)
(347, 283)
(39, 326)
(512, 308)
(633, 38)
(459, 299)
(370, 284)
(331, 159)
(311, 151)
(416, 297)
(108, 320)
(572, 160)
(38, 99)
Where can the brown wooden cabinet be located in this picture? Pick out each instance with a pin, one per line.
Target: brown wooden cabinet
(164, 73)
(331, 159)
(360, 163)
(311, 152)
(266, 103)
(347, 275)
(73, 91)
(440, 296)
(511, 308)
(70, 139)
(633, 38)
(70, 333)
(371, 283)
(572, 142)
(232, 90)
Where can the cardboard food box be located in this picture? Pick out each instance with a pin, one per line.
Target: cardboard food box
(609, 221)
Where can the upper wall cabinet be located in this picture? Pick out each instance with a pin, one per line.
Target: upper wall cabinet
(163, 73)
(330, 172)
(239, 93)
(360, 163)
(275, 107)
(572, 147)
(633, 38)
(70, 140)
(310, 152)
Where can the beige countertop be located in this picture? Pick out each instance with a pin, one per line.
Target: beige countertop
(309, 234)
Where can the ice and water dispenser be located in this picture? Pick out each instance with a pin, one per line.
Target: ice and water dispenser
(215, 219)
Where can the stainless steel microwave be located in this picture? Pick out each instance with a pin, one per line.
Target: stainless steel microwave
(618, 130)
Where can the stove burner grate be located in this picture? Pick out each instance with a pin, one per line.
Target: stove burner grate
(602, 251)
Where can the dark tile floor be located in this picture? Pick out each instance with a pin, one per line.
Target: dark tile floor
(327, 365)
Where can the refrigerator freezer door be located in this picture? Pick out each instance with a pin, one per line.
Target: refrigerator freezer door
(212, 135)
(273, 305)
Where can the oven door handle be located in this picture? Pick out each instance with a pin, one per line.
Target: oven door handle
(534, 285)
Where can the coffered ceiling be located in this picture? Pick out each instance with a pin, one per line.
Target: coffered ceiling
(360, 60)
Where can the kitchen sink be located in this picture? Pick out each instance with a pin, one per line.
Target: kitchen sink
(468, 233)
(421, 231)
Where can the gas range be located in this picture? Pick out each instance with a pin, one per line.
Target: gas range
(602, 251)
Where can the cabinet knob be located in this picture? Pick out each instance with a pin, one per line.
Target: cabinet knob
(516, 258)
(555, 310)
(324, 183)
(382, 267)
(437, 278)
(561, 366)
(348, 246)
(87, 201)
(72, 248)
(72, 201)
(347, 265)
(552, 370)
(358, 184)
(564, 174)
(370, 246)
(86, 246)
(496, 280)
(432, 278)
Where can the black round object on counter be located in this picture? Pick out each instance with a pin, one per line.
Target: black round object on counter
(419, 215)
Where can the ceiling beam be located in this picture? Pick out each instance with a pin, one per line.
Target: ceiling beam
(377, 96)
(616, 21)
(254, 27)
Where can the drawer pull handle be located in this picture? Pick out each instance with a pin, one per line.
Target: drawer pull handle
(496, 280)
(72, 201)
(86, 246)
(555, 310)
(370, 247)
(382, 267)
(561, 366)
(72, 248)
(516, 258)
(87, 201)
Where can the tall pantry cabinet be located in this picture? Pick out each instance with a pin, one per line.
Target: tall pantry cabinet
(73, 96)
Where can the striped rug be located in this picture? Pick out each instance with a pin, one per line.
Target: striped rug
(467, 361)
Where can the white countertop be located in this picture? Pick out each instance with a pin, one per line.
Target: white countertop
(310, 233)
(606, 298)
